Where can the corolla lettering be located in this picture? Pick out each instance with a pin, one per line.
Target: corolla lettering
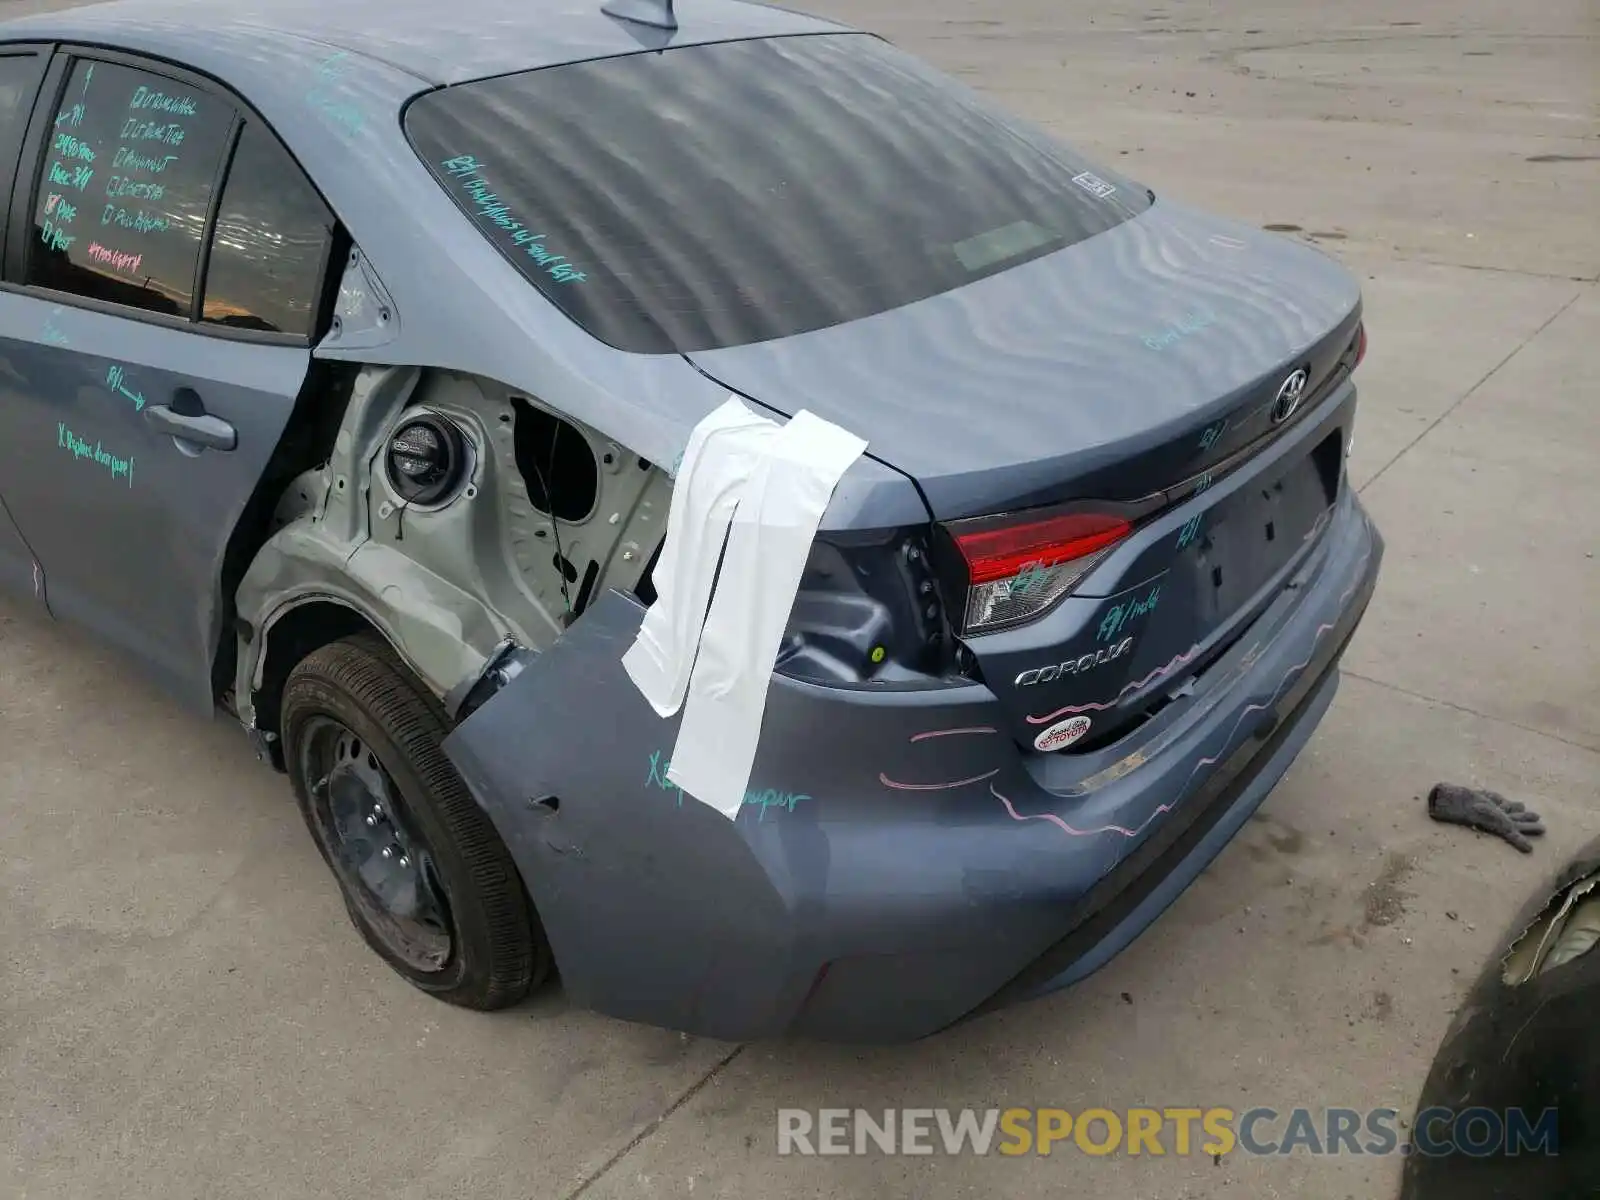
(1182, 328)
(139, 221)
(128, 159)
(119, 260)
(152, 101)
(1074, 666)
(77, 177)
(1129, 610)
(135, 130)
(468, 172)
(120, 468)
(763, 800)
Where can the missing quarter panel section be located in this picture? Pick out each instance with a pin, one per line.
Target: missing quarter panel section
(456, 517)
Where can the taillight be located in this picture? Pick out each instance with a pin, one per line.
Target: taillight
(1361, 345)
(1019, 566)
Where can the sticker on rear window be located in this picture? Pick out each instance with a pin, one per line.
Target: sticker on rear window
(467, 172)
(1093, 184)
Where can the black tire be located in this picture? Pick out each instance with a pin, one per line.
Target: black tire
(496, 950)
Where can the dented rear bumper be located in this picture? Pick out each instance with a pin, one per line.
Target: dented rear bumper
(900, 863)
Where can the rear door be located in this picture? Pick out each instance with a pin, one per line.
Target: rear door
(164, 277)
(21, 68)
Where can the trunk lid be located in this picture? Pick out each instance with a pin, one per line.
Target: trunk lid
(1095, 370)
(1143, 364)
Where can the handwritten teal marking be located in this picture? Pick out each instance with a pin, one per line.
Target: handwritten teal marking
(150, 100)
(116, 380)
(1130, 610)
(72, 117)
(138, 220)
(59, 207)
(341, 113)
(50, 334)
(1200, 319)
(168, 132)
(1212, 432)
(468, 172)
(345, 115)
(1033, 577)
(54, 237)
(78, 177)
(1190, 530)
(128, 159)
(120, 468)
(1201, 484)
(760, 800)
(70, 147)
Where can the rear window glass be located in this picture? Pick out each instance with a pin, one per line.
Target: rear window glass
(712, 196)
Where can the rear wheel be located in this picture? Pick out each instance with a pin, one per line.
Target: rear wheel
(424, 875)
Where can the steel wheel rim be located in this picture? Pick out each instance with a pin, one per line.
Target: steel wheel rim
(385, 866)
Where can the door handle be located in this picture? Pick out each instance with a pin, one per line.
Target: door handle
(201, 430)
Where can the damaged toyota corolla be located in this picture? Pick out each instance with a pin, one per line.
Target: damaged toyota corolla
(697, 502)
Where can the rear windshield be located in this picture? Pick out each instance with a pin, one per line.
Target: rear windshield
(716, 195)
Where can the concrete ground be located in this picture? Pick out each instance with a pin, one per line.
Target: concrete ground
(185, 1011)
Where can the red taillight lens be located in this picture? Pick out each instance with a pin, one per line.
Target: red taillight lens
(1019, 568)
(1361, 345)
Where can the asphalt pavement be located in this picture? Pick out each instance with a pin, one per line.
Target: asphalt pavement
(186, 1012)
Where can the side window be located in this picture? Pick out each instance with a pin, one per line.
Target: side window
(19, 79)
(125, 188)
(269, 256)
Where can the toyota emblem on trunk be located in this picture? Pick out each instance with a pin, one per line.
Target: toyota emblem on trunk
(1288, 399)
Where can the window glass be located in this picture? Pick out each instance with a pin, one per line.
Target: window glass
(269, 253)
(713, 195)
(19, 77)
(125, 188)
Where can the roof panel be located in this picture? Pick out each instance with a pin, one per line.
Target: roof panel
(448, 42)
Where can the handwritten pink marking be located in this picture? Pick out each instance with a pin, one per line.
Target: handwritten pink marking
(1134, 686)
(1055, 820)
(1207, 760)
(934, 787)
(1292, 672)
(118, 260)
(50, 204)
(933, 733)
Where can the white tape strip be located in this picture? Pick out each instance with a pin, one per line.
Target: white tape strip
(777, 518)
(723, 449)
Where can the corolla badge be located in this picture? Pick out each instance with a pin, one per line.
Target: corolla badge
(1290, 393)
(1073, 666)
(1062, 734)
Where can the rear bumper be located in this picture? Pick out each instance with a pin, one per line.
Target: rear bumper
(910, 865)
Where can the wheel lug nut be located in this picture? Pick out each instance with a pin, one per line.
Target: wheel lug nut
(405, 860)
(372, 820)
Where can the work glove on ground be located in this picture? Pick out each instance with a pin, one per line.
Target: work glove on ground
(1486, 811)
